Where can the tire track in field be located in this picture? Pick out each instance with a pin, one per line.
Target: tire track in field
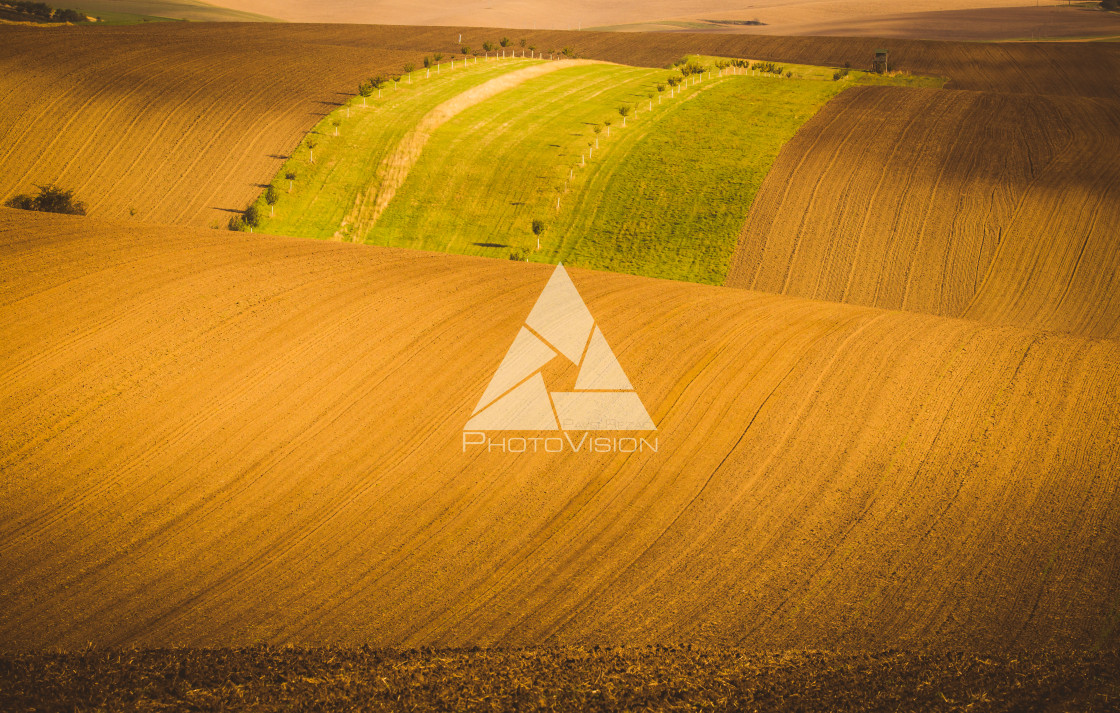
(391, 174)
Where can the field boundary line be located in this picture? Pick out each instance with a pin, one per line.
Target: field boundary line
(390, 175)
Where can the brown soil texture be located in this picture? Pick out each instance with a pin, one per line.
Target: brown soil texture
(183, 123)
(997, 207)
(556, 679)
(928, 19)
(216, 439)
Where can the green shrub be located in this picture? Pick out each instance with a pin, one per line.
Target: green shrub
(253, 216)
(519, 254)
(51, 199)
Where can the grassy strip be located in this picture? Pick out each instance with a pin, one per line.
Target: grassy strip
(664, 196)
(325, 190)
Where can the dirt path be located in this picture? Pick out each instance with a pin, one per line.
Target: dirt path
(393, 171)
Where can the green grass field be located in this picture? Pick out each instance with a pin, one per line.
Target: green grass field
(664, 196)
(326, 190)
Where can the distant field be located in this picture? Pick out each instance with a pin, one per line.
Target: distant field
(125, 12)
(182, 122)
(930, 19)
(664, 196)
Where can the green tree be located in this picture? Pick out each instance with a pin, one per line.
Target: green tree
(624, 111)
(253, 216)
(271, 197)
(504, 42)
(538, 228)
(290, 176)
(366, 90)
(50, 199)
(465, 50)
(311, 144)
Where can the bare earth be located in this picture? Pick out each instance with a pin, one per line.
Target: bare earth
(929, 19)
(219, 439)
(997, 207)
(183, 122)
(678, 678)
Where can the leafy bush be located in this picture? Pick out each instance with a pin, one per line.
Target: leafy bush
(69, 16)
(44, 12)
(769, 68)
(51, 199)
(35, 9)
(538, 226)
(519, 254)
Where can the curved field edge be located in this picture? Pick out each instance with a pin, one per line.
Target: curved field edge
(217, 439)
(138, 119)
(995, 207)
(664, 195)
(323, 194)
(578, 679)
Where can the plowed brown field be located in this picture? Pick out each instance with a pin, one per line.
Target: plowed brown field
(935, 19)
(175, 127)
(215, 438)
(998, 207)
(182, 122)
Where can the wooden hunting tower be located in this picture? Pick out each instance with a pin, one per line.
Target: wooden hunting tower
(880, 65)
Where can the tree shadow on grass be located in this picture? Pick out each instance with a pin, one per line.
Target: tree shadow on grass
(490, 245)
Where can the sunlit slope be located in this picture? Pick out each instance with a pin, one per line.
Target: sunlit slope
(212, 438)
(162, 124)
(328, 198)
(664, 195)
(183, 122)
(995, 207)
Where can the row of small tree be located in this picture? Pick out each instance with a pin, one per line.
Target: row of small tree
(45, 13)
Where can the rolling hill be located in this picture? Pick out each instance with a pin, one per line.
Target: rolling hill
(184, 122)
(934, 19)
(997, 207)
(215, 438)
(465, 161)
